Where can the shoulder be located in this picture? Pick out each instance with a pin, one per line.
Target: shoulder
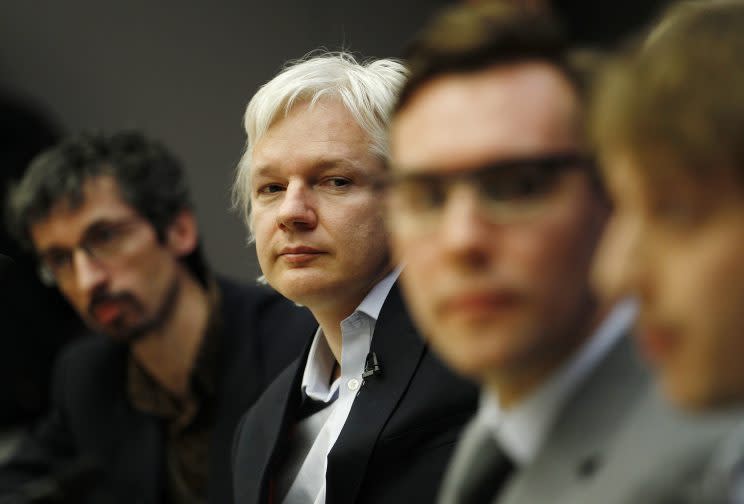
(236, 295)
(244, 300)
(92, 353)
(90, 371)
(263, 421)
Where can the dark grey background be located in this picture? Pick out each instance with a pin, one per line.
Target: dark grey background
(183, 72)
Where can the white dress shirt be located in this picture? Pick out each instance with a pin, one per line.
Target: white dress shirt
(309, 486)
(521, 430)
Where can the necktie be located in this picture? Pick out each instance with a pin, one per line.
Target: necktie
(490, 469)
(310, 406)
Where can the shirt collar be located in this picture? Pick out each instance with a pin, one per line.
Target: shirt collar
(320, 360)
(521, 430)
(147, 395)
(373, 301)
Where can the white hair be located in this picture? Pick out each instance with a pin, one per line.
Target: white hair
(368, 90)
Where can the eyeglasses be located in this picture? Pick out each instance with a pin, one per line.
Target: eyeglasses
(102, 242)
(509, 191)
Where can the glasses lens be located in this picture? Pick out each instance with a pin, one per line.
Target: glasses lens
(46, 275)
(420, 194)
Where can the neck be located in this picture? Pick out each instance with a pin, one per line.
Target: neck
(329, 320)
(514, 385)
(329, 315)
(169, 353)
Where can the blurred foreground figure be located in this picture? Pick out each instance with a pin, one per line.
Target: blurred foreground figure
(496, 209)
(669, 121)
(367, 414)
(146, 412)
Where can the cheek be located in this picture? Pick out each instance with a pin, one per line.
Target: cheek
(76, 299)
(553, 254)
(358, 232)
(262, 228)
(419, 276)
(715, 305)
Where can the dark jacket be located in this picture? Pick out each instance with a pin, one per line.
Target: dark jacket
(397, 439)
(93, 433)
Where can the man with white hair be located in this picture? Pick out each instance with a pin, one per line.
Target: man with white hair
(367, 413)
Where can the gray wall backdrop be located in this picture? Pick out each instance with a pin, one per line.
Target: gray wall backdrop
(183, 72)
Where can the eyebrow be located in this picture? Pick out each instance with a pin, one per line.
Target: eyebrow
(318, 165)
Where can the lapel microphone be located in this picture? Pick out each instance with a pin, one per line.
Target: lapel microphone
(371, 366)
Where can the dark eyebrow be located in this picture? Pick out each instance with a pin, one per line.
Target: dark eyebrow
(548, 162)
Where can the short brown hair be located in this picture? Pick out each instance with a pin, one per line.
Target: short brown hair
(677, 100)
(468, 38)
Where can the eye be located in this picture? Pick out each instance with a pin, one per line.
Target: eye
(268, 189)
(57, 260)
(423, 193)
(676, 213)
(335, 182)
(519, 184)
(102, 236)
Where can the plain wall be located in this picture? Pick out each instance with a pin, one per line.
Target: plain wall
(183, 72)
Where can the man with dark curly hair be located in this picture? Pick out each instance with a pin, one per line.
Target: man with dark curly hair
(145, 414)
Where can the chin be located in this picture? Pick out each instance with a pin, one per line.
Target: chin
(468, 363)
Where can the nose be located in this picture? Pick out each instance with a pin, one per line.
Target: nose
(619, 262)
(89, 273)
(297, 211)
(465, 233)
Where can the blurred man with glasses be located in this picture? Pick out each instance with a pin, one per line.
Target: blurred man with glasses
(147, 413)
(495, 208)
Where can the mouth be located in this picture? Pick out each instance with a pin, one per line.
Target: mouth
(480, 304)
(299, 255)
(106, 312)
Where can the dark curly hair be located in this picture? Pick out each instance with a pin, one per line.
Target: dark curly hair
(148, 176)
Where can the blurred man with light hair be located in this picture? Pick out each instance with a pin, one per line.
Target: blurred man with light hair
(496, 206)
(367, 413)
(668, 119)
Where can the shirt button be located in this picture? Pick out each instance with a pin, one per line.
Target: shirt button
(353, 384)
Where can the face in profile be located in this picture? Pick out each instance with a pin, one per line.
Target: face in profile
(676, 241)
(108, 262)
(495, 217)
(317, 219)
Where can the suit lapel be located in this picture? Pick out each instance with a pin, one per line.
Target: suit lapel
(268, 426)
(577, 444)
(399, 350)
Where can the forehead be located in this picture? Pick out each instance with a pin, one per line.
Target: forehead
(65, 224)
(458, 120)
(310, 135)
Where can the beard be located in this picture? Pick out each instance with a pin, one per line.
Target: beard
(122, 330)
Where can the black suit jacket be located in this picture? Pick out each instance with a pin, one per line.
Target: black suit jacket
(397, 439)
(92, 420)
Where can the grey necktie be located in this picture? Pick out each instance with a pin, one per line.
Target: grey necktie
(489, 470)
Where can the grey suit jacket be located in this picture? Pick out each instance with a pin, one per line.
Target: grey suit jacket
(615, 441)
(722, 480)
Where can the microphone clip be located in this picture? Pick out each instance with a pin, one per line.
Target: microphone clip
(371, 366)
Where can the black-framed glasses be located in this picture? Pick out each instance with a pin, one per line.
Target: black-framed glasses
(102, 242)
(508, 190)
